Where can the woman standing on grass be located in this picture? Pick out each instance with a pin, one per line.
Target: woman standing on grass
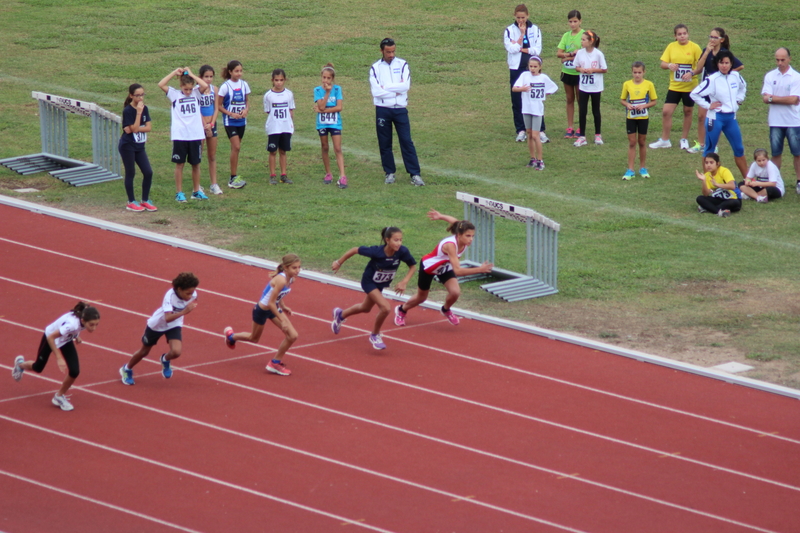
(135, 126)
(522, 39)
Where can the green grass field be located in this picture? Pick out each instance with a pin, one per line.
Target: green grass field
(638, 265)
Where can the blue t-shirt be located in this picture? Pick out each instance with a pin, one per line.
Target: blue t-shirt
(381, 269)
(133, 141)
(329, 120)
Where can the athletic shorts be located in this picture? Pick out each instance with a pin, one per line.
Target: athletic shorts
(151, 336)
(777, 136)
(187, 150)
(213, 131)
(570, 79)
(637, 125)
(425, 279)
(68, 351)
(323, 132)
(532, 122)
(675, 97)
(260, 316)
(368, 286)
(279, 141)
(235, 131)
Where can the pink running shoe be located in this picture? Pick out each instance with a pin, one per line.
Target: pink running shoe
(228, 332)
(399, 316)
(450, 316)
(278, 368)
(328, 179)
(342, 182)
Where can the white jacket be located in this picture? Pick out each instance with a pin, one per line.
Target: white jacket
(510, 36)
(390, 82)
(728, 89)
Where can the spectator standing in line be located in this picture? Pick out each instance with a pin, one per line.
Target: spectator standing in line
(781, 91)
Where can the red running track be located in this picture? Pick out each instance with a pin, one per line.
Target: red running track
(477, 428)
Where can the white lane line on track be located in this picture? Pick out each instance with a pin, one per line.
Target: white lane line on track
(97, 502)
(284, 449)
(614, 440)
(393, 478)
(759, 432)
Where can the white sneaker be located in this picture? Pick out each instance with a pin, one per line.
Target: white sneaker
(685, 144)
(598, 139)
(62, 402)
(762, 199)
(543, 137)
(661, 143)
(17, 372)
(521, 137)
(580, 142)
(215, 189)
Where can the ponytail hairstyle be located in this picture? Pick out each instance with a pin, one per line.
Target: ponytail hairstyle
(387, 232)
(286, 261)
(329, 68)
(132, 89)
(521, 8)
(85, 311)
(185, 280)
(186, 80)
(226, 71)
(593, 37)
(459, 227)
(206, 68)
(760, 151)
(724, 39)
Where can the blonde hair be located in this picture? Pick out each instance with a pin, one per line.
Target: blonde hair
(286, 261)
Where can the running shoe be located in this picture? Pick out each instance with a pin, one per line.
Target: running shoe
(134, 206)
(580, 142)
(697, 148)
(701, 209)
(644, 173)
(389, 179)
(285, 179)
(661, 143)
(273, 179)
(166, 367)
(199, 195)
(629, 175)
(544, 138)
(236, 182)
(62, 401)
(797, 187)
(127, 375)
(377, 342)
(328, 179)
(336, 325)
(684, 144)
(724, 213)
(598, 139)
(180, 197)
(762, 199)
(342, 182)
(569, 134)
(531, 163)
(416, 180)
(450, 316)
(522, 137)
(17, 371)
(147, 204)
(539, 165)
(215, 189)
(229, 342)
(278, 368)
(399, 316)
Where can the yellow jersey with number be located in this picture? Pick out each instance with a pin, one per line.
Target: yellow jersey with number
(637, 94)
(686, 57)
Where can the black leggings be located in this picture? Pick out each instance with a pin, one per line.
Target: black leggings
(130, 159)
(583, 101)
(70, 356)
(715, 205)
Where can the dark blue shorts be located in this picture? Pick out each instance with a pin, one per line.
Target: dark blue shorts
(260, 316)
(323, 132)
(368, 286)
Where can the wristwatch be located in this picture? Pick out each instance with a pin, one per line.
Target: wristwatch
(770, 100)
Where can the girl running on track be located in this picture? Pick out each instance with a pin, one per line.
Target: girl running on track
(233, 102)
(167, 320)
(135, 126)
(384, 259)
(60, 338)
(209, 111)
(567, 48)
(719, 188)
(328, 100)
(272, 307)
(443, 262)
(590, 63)
(535, 87)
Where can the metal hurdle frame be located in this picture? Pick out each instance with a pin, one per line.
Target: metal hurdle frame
(541, 243)
(54, 158)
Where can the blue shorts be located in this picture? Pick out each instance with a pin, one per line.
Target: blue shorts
(151, 336)
(260, 316)
(368, 286)
(778, 134)
(323, 132)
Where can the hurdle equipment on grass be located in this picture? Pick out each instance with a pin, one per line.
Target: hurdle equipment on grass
(541, 245)
(54, 158)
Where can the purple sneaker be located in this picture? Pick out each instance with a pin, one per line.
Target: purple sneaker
(336, 325)
(377, 342)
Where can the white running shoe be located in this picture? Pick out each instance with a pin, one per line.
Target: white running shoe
(62, 402)
(215, 188)
(17, 372)
(580, 142)
(544, 138)
(684, 144)
(521, 137)
(661, 143)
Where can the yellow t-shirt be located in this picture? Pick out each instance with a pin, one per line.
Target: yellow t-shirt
(686, 57)
(642, 93)
(724, 176)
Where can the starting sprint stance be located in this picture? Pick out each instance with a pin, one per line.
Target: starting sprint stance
(443, 262)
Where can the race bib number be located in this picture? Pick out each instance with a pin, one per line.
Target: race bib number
(280, 112)
(682, 70)
(328, 118)
(237, 109)
(383, 276)
(140, 137)
(442, 269)
(722, 193)
(569, 63)
(187, 107)
(537, 92)
(588, 80)
(206, 100)
(638, 113)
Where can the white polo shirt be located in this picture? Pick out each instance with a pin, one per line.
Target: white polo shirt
(777, 84)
